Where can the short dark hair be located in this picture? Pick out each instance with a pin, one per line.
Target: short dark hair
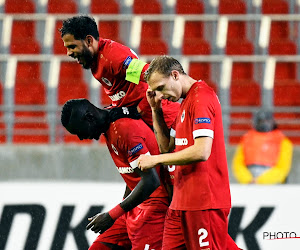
(80, 27)
(68, 109)
(163, 65)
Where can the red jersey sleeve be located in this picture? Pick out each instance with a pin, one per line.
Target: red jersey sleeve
(136, 146)
(119, 71)
(119, 57)
(203, 114)
(133, 144)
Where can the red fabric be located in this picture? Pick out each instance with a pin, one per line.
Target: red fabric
(125, 147)
(211, 227)
(116, 235)
(135, 230)
(116, 212)
(231, 245)
(110, 71)
(99, 245)
(200, 115)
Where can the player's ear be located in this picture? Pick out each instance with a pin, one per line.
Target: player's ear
(89, 40)
(175, 74)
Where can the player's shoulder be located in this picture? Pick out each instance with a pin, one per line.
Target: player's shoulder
(202, 87)
(115, 49)
(201, 92)
(129, 127)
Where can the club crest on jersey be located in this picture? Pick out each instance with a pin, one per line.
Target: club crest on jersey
(127, 62)
(114, 149)
(135, 149)
(107, 82)
(182, 116)
(202, 120)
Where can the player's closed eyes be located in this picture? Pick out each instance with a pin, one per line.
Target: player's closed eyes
(160, 88)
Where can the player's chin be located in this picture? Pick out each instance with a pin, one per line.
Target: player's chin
(86, 64)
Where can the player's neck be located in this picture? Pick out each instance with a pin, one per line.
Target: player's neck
(187, 84)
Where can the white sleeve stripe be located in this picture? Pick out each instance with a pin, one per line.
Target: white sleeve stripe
(134, 164)
(203, 132)
(173, 133)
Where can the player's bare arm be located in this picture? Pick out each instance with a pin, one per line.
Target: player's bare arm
(200, 151)
(161, 130)
(127, 192)
(146, 186)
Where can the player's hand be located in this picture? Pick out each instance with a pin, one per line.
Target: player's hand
(99, 223)
(153, 99)
(124, 112)
(146, 161)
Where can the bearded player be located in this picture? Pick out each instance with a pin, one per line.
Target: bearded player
(114, 65)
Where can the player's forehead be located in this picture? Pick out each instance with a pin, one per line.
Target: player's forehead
(157, 80)
(69, 39)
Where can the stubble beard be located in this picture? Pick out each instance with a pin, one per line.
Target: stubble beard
(88, 58)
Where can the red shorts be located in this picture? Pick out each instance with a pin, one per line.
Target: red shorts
(137, 229)
(170, 110)
(202, 229)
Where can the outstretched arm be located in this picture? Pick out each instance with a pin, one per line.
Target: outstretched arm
(161, 130)
(146, 186)
(200, 151)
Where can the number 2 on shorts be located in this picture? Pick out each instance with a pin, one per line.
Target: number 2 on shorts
(203, 234)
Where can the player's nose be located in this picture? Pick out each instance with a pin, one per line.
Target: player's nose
(159, 95)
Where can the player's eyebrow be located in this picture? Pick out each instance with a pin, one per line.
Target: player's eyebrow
(71, 46)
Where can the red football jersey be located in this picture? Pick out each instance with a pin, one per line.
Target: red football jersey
(110, 70)
(126, 143)
(202, 185)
